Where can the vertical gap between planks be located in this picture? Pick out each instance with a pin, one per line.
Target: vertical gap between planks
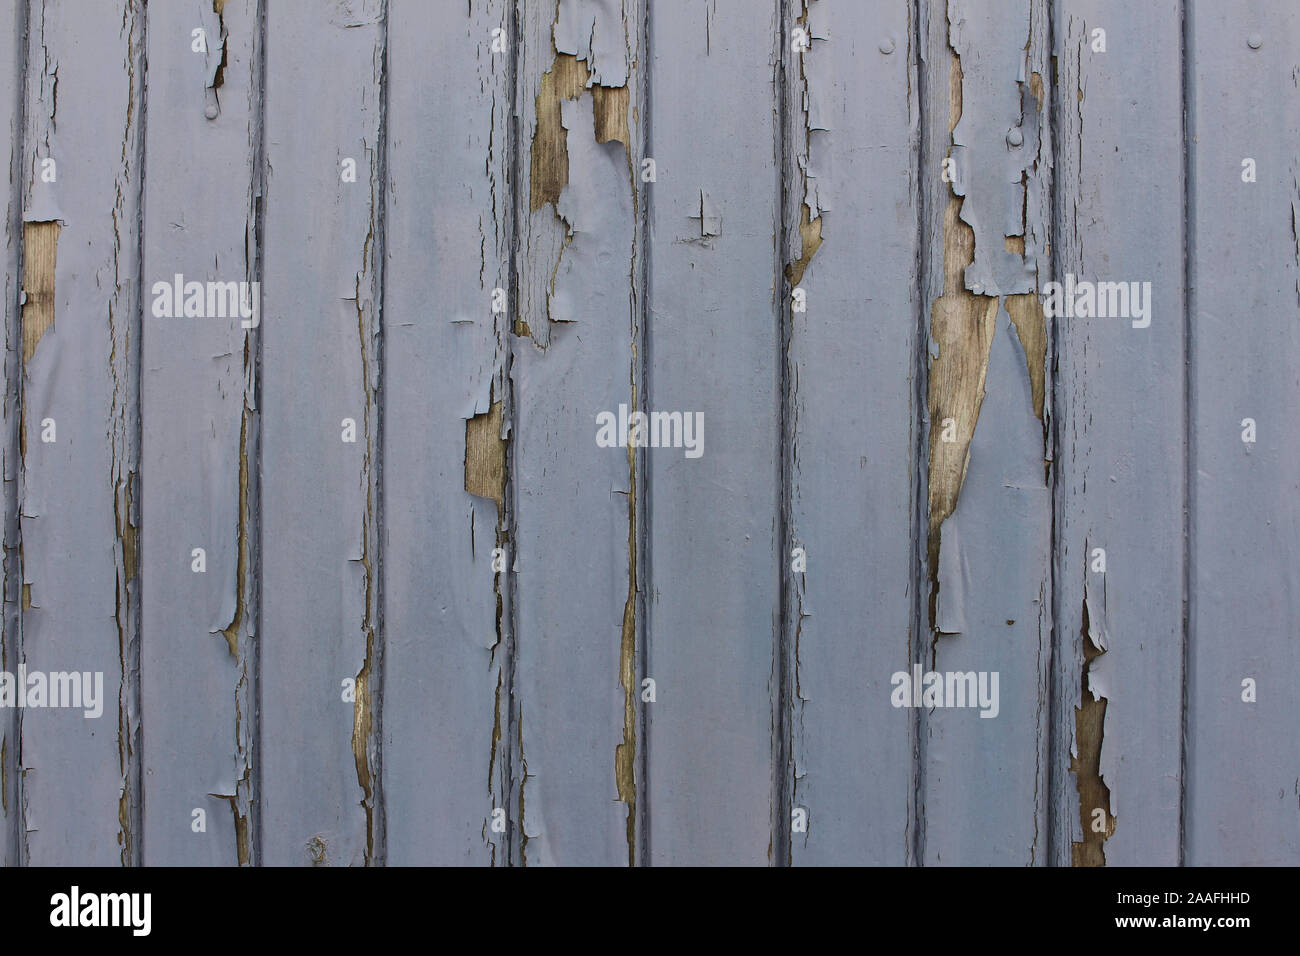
(920, 376)
(256, 265)
(1189, 436)
(379, 822)
(514, 837)
(1051, 419)
(14, 841)
(782, 763)
(132, 663)
(640, 632)
(1058, 743)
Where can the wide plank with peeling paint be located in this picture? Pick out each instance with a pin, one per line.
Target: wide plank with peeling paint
(987, 617)
(319, 339)
(578, 322)
(446, 253)
(1118, 396)
(77, 499)
(852, 304)
(198, 691)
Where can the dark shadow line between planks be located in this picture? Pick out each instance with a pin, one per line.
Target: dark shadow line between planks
(1189, 436)
(782, 800)
(257, 267)
(919, 574)
(507, 616)
(132, 663)
(379, 821)
(1058, 744)
(640, 630)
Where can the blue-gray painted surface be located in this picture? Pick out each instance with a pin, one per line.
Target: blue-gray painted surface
(76, 504)
(578, 296)
(436, 619)
(321, 256)
(713, 618)
(195, 628)
(1119, 402)
(850, 428)
(1243, 759)
(446, 250)
(984, 777)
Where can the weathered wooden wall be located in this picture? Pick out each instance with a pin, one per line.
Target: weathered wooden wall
(435, 620)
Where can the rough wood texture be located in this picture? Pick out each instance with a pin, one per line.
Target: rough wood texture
(40, 259)
(382, 564)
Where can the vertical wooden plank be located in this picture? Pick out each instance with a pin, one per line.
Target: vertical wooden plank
(1243, 758)
(984, 761)
(574, 360)
(320, 433)
(851, 184)
(447, 250)
(199, 414)
(79, 508)
(1119, 397)
(12, 62)
(713, 609)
